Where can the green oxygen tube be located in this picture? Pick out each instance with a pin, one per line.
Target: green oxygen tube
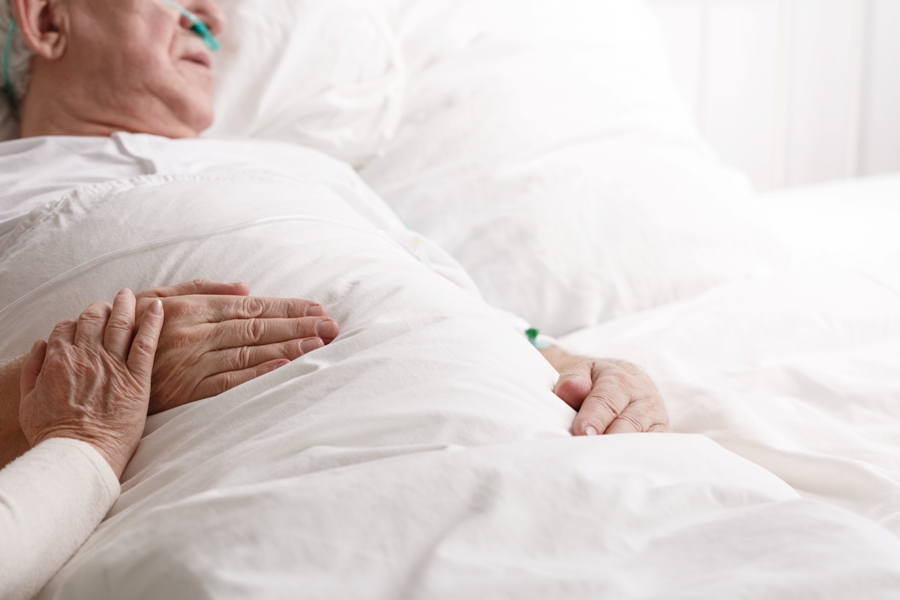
(198, 26)
(7, 80)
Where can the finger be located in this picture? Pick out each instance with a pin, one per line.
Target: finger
(197, 287)
(63, 334)
(32, 368)
(602, 406)
(222, 382)
(120, 327)
(256, 332)
(574, 385)
(143, 348)
(92, 324)
(245, 357)
(315, 310)
(223, 308)
(636, 418)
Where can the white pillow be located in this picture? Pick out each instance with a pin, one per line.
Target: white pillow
(541, 143)
(544, 146)
(322, 73)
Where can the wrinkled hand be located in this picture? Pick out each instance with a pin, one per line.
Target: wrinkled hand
(91, 382)
(612, 396)
(216, 337)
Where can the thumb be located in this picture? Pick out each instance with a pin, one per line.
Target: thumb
(575, 384)
(32, 368)
(143, 348)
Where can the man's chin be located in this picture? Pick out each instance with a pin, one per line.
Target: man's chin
(205, 123)
(200, 117)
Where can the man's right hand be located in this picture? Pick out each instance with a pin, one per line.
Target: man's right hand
(216, 337)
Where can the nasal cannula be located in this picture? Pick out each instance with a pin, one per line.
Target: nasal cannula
(197, 26)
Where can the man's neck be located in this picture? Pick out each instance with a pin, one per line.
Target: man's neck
(46, 111)
(39, 119)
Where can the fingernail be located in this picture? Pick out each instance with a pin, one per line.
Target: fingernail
(282, 363)
(311, 344)
(315, 311)
(35, 345)
(590, 430)
(156, 307)
(327, 329)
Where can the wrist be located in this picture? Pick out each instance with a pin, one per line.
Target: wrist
(13, 442)
(561, 360)
(101, 442)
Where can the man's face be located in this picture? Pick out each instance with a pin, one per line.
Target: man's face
(144, 63)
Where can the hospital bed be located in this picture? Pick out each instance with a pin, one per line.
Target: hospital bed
(422, 454)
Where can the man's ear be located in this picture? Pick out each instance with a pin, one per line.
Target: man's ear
(43, 26)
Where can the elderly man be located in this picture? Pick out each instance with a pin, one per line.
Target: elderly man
(114, 89)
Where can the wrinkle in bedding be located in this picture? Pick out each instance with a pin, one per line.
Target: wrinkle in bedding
(423, 451)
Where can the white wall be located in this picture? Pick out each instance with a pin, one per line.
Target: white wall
(791, 91)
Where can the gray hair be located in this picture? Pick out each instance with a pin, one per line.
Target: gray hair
(19, 57)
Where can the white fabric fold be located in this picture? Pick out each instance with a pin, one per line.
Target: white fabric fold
(422, 451)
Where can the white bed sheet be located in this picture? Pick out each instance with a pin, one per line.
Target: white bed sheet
(421, 454)
(799, 372)
(852, 222)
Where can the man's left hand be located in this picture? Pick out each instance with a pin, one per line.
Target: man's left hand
(611, 396)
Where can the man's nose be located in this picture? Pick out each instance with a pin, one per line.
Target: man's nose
(208, 12)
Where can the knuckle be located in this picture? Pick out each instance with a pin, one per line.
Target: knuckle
(119, 321)
(599, 409)
(143, 304)
(307, 326)
(96, 311)
(616, 371)
(224, 383)
(295, 308)
(634, 419)
(63, 325)
(143, 346)
(252, 306)
(612, 390)
(628, 382)
(255, 330)
(243, 356)
(599, 368)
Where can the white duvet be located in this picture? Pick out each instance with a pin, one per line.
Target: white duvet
(422, 454)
